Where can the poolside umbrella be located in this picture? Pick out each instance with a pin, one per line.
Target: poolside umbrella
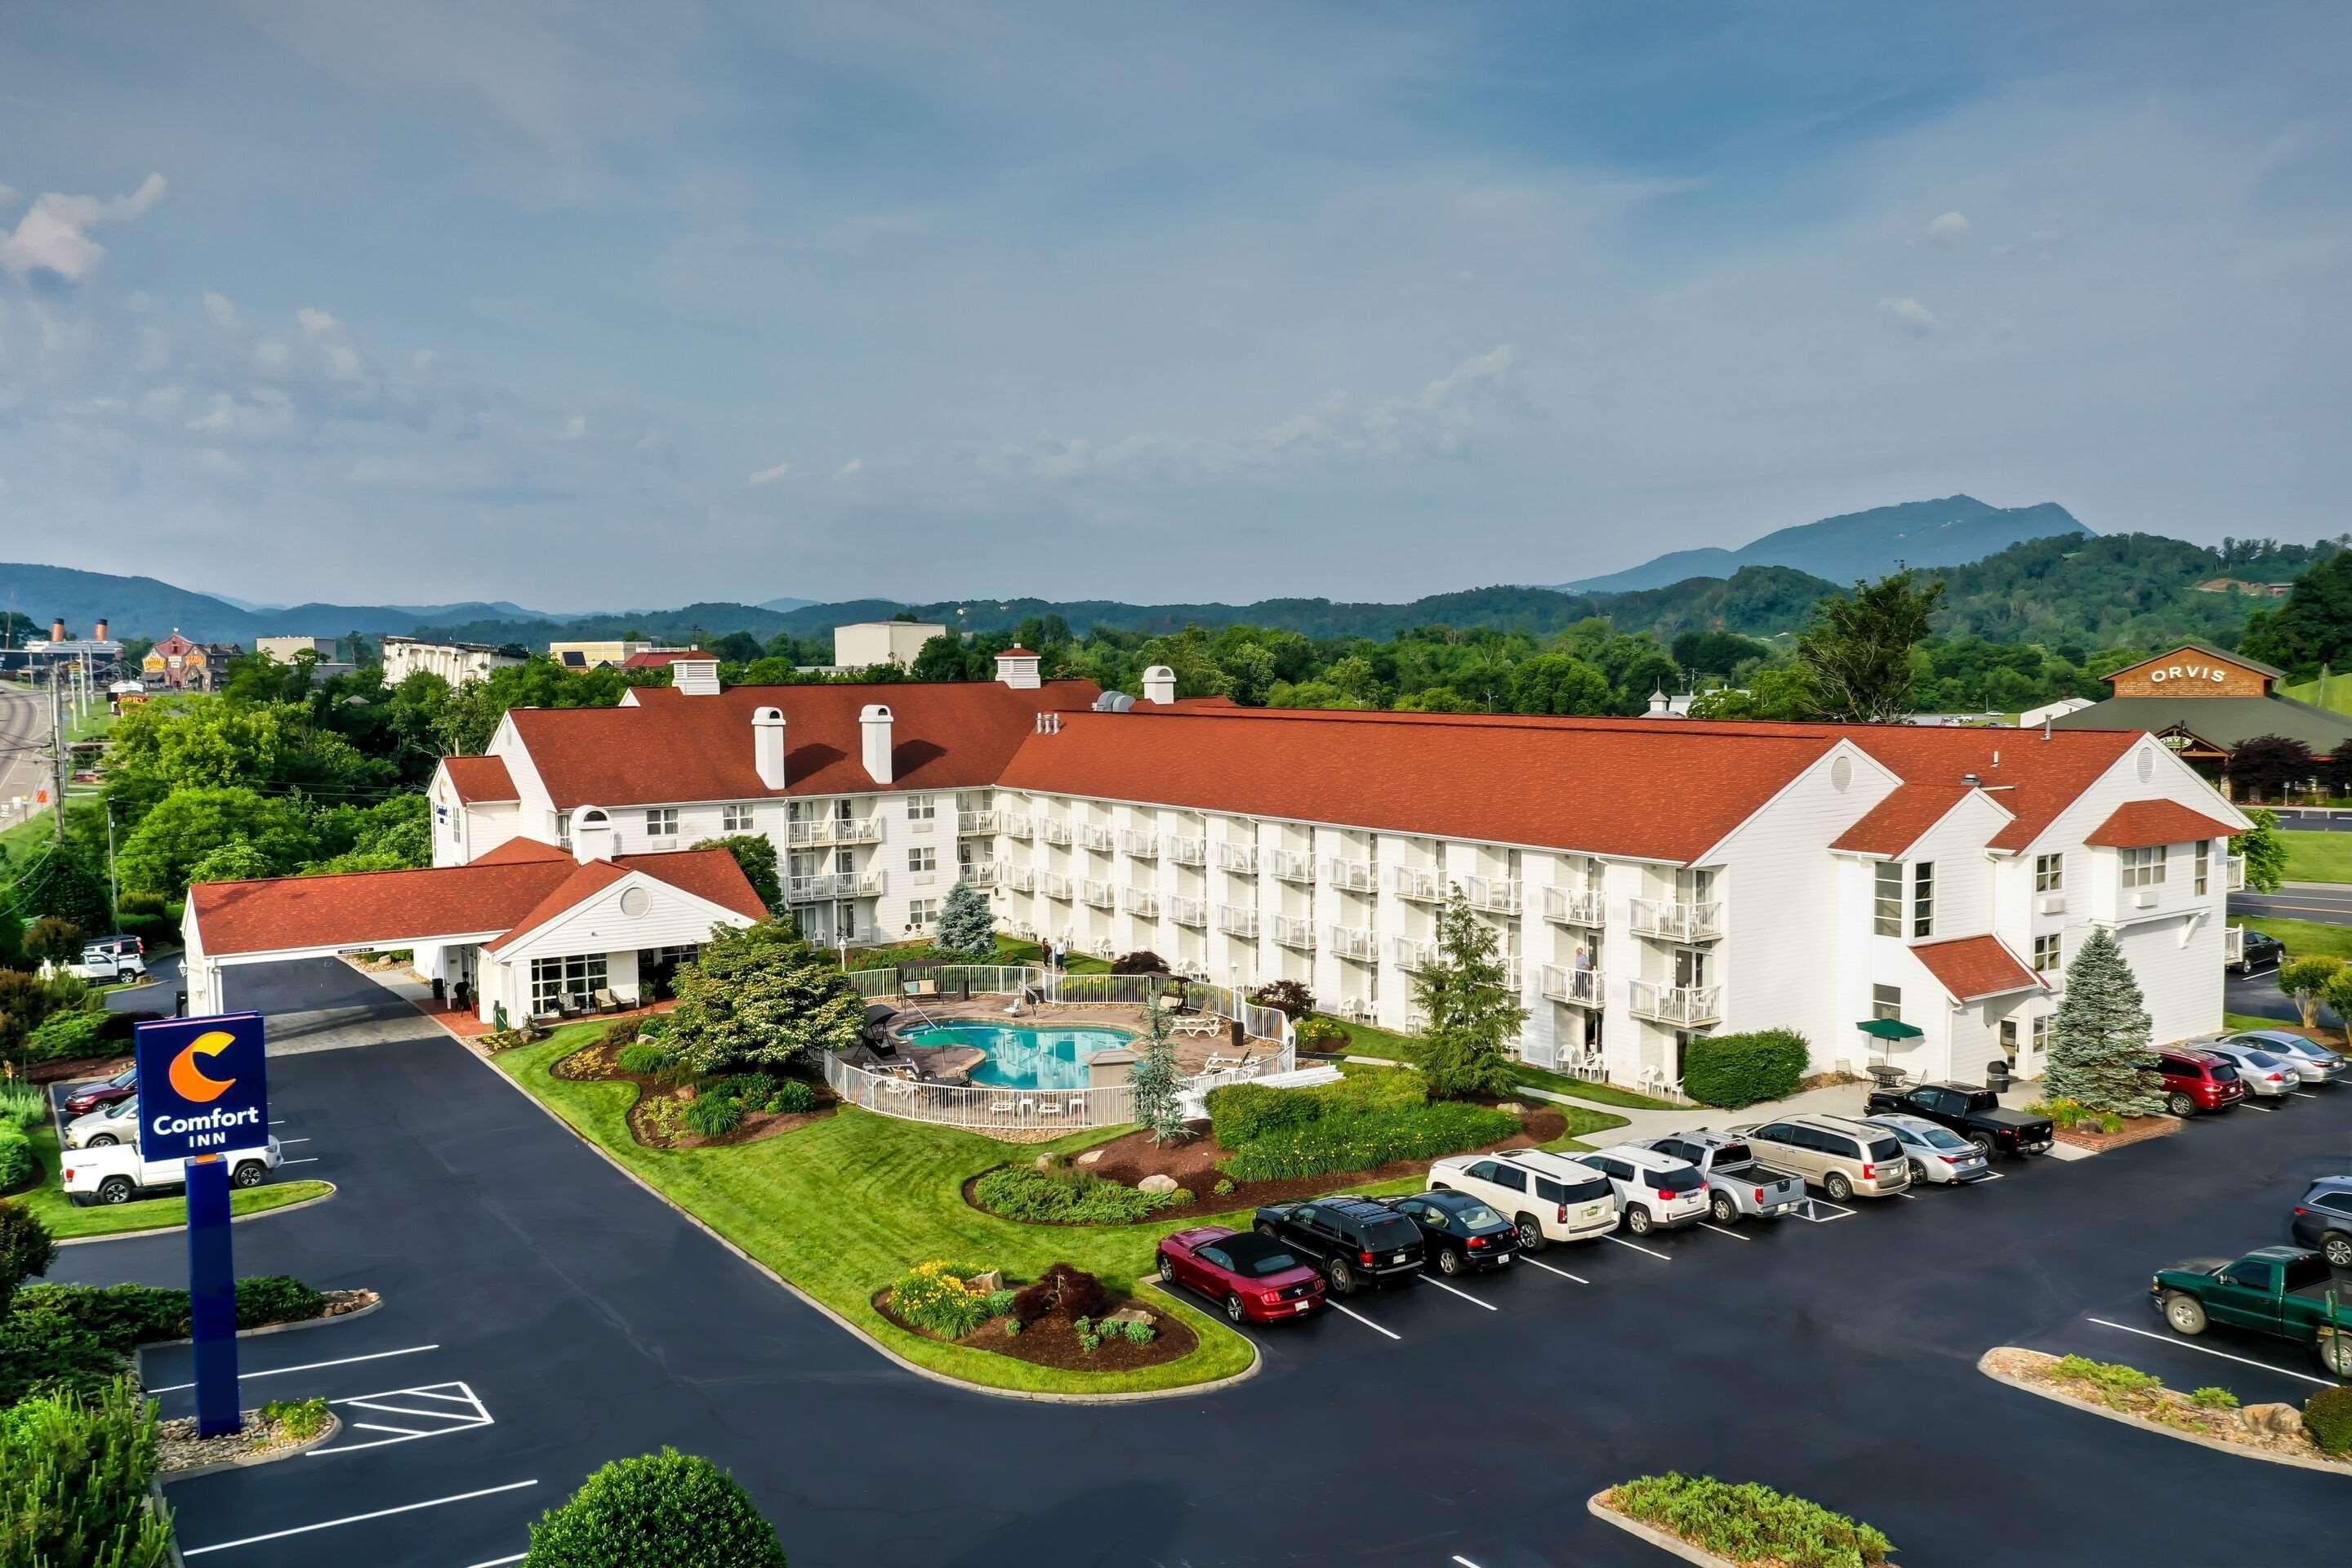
(878, 1019)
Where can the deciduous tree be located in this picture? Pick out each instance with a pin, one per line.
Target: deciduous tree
(2266, 767)
(759, 996)
(756, 853)
(2305, 982)
(2264, 850)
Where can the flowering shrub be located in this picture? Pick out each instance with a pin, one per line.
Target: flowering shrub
(1321, 1036)
(937, 1296)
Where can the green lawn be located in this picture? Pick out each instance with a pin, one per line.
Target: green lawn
(48, 1200)
(1372, 1041)
(842, 1207)
(2319, 857)
(2304, 939)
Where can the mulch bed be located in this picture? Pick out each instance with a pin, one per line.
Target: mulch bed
(2137, 1130)
(1129, 1159)
(654, 1126)
(177, 1446)
(1051, 1340)
(79, 1067)
(342, 1303)
(2272, 1429)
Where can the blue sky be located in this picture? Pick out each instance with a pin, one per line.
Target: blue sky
(588, 305)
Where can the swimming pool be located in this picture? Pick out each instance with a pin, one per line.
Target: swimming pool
(1020, 1056)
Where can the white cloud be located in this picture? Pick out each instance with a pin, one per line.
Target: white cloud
(272, 355)
(1909, 315)
(1949, 228)
(318, 323)
(222, 310)
(51, 236)
(768, 476)
(850, 469)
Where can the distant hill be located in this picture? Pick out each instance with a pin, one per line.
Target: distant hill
(781, 605)
(142, 606)
(1860, 544)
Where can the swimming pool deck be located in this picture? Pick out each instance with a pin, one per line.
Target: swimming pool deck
(1192, 1050)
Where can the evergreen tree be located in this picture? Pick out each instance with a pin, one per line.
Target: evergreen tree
(1857, 653)
(967, 927)
(2264, 850)
(1158, 1086)
(1472, 1013)
(2097, 1053)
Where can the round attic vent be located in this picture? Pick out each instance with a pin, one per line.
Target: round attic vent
(1841, 773)
(2146, 765)
(634, 902)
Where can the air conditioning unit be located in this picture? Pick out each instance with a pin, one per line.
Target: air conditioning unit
(2144, 898)
(2054, 903)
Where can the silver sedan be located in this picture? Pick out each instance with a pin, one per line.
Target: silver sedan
(1935, 1153)
(2314, 1063)
(116, 1123)
(2266, 1075)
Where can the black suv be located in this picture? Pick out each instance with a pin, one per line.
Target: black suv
(1354, 1241)
(2323, 1219)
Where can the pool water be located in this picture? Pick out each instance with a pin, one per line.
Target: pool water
(1024, 1057)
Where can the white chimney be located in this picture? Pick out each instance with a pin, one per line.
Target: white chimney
(592, 833)
(1017, 667)
(695, 677)
(768, 746)
(875, 722)
(1160, 684)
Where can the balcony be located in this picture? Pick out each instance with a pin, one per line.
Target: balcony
(1423, 887)
(1561, 984)
(1350, 875)
(1237, 919)
(1095, 893)
(2234, 944)
(1357, 942)
(1496, 895)
(1574, 906)
(1141, 846)
(834, 830)
(1186, 851)
(833, 885)
(1053, 885)
(1141, 902)
(1053, 829)
(1188, 912)
(1094, 836)
(978, 874)
(1015, 824)
(1239, 859)
(1412, 954)
(969, 822)
(1678, 921)
(1515, 975)
(2237, 873)
(1685, 1007)
(1018, 879)
(1295, 933)
(1290, 866)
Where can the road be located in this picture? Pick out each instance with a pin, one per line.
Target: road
(24, 739)
(543, 1314)
(2325, 903)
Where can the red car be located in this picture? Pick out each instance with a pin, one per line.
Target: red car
(106, 1092)
(1258, 1278)
(2199, 1080)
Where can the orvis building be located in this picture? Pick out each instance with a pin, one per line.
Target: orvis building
(1892, 892)
(2204, 704)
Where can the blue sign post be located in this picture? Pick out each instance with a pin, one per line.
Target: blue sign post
(203, 1091)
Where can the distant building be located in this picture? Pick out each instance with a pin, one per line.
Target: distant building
(176, 663)
(97, 650)
(2034, 718)
(2204, 704)
(611, 654)
(869, 643)
(662, 659)
(459, 663)
(286, 650)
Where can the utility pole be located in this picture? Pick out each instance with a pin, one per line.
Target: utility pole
(114, 886)
(58, 756)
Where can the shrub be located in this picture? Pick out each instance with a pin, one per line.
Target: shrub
(1729, 1071)
(1012, 1327)
(2210, 1398)
(2328, 1416)
(1001, 1302)
(1290, 996)
(1321, 1036)
(1054, 1197)
(1089, 1337)
(937, 1296)
(23, 1104)
(26, 1250)
(299, 1420)
(793, 1098)
(657, 1510)
(275, 1298)
(646, 1061)
(713, 1115)
(123, 1316)
(2116, 1383)
(44, 1351)
(19, 1166)
(1143, 961)
(74, 1475)
(1360, 1142)
(64, 1036)
(1139, 1333)
(1241, 1113)
(1224, 1187)
(748, 1089)
(117, 1028)
(1064, 1289)
(1749, 1523)
(622, 1031)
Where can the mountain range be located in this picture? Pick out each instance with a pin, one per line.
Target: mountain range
(1859, 545)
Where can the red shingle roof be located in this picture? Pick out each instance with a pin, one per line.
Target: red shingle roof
(1971, 967)
(663, 658)
(2138, 824)
(2033, 779)
(480, 781)
(1896, 824)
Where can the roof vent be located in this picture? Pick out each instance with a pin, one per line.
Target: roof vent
(1049, 723)
(1017, 667)
(1160, 684)
(694, 677)
(1114, 702)
(1972, 780)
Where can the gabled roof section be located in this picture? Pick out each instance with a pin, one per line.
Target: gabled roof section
(1974, 967)
(2192, 645)
(518, 851)
(1903, 817)
(2142, 823)
(2033, 778)
(583, 884)
(663, 658)
(481, 781)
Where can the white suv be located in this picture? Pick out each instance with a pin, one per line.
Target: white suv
(1658, 1190)
(1549, 1197)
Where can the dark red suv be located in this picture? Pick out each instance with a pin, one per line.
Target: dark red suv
(2199, 1080)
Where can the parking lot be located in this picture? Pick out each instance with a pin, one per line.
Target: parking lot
(543, 1314)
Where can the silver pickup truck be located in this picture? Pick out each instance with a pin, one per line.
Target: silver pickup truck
(1739, 1185)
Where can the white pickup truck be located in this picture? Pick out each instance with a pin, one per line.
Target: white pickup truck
(109, 965)
(116, 1174)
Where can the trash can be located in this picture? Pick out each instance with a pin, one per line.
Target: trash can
(440, 991)
(1997, 1075)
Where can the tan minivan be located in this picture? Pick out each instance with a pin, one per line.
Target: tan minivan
(1836, 1153)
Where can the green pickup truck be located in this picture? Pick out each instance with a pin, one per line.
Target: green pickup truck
(2282, 1292)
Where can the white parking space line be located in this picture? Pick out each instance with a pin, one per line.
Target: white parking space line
(1913, 1196)
(2206, 1349)
(358, 1519)
(1464, 1294)
(1457, 1558)
(1809, 1209)
(1645, 1251)
(312, 1159)
(1366, 1322)
(502, 1562)
(305, 1366)
(289, 1142)
(1992, 1176)
(1718, 1230)
(1547, 1268)
(2303, 1094)
(2249, 1105)
(473, 1413)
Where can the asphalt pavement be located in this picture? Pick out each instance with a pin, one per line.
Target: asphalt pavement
(24, 737)
(543, 1314)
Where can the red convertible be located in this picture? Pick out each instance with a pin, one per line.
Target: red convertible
(1256, 1278)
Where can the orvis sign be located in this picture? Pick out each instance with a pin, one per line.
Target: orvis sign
(202, 1085)
(2214, 673)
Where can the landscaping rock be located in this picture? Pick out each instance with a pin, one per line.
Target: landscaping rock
(1044, 1162)
(987, 1281)
(1512, 1108)
(2279, 1420)
(1090, 1156)
(1126, 1315)
(1161, 1183)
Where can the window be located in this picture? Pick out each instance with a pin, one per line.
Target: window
(923, 858)
(2045, 954)
(922, 911)
(2050, 873)
(1886, 1001)
(661, 822)
(921, 808)
(2009, 1038)
(1506, 1177)
(734, 819)
(2042, 1027)
(1923, 899)
(555, 981)
(2144, 868)
(564, 830)
(2204, 864)
(1886, 904)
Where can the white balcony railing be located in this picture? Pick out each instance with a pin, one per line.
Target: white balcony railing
(1095, 893)
(1237, 919)
(1676, 921)
(2237, 873)
(1355, 941)
(1290, 866)
(1239, 859)
(1018, 879)
(1015, 824)
(1684, 1006)
(1565, 983)
(1350, 875)
(834, 830)
(1295, 933)
(1186, 851)
(968, 822)
(2234, 944)
(834, 884)
(1053, 885)
(1514, 973)
(1412, 954)
(1094, 836)
(1188, 912)
(1141, 846)
(1496, 895)
(1574, 906)
(978, 874)
(1053, 829)
(1420, 885)
(1143, 901)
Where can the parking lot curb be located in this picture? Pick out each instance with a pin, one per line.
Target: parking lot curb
(247, 1461)
(140, 1350)
(1033, 1395)
(1660, 1539)
(2327, 1467)
(294, 1207)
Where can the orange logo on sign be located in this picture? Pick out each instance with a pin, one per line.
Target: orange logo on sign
(188, 1080)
